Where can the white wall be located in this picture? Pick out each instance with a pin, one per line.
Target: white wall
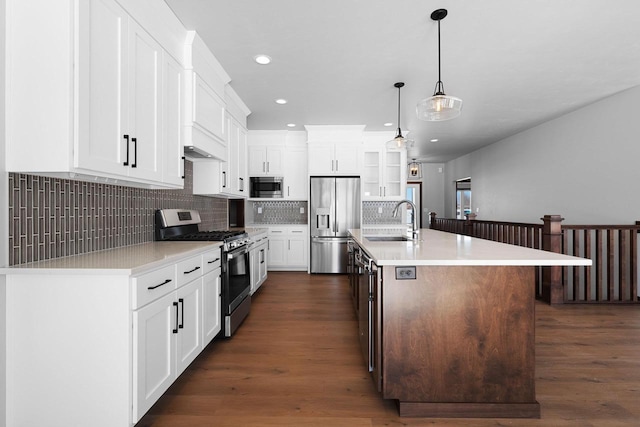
(433, 178)
(583, 165)
(4, 227)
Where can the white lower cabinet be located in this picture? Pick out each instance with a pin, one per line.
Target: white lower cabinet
(154, 367)
(288, 247)
(105, 342)
(211, 314)
(258, 260)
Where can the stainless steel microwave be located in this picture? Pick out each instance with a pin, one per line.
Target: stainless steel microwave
(266, 187)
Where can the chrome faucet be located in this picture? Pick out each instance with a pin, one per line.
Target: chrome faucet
(414, 227)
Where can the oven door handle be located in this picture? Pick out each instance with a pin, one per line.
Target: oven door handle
(238, 252)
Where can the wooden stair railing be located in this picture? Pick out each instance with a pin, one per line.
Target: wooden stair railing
(613, 278)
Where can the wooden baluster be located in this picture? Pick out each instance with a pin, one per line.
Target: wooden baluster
(610, 265)
(587, 270)
(623, 267)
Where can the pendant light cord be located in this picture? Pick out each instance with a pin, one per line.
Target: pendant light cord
(399, 131)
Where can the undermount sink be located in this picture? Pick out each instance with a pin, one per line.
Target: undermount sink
(387, 238)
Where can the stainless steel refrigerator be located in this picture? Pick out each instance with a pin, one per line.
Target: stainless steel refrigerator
(334, 209)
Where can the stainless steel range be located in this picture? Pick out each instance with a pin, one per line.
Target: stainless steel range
(183, 224)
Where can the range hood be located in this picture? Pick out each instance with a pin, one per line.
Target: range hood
(193, 152)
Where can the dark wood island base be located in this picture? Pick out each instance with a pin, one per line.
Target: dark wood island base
(458, 341)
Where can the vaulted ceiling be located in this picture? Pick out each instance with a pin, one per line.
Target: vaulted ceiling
(515, 64)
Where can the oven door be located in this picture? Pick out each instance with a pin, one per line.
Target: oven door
(237, 283)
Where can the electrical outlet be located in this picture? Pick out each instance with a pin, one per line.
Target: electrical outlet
(405, 273)
(379, 209)
(259, 209)
(301, 210)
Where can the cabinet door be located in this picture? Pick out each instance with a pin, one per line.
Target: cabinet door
(154, 367)
(243, 179)
(262, 263)
(145, 153)
(297, 251)
(347, 159)
(211, 316)
(321, 161)
(296, 183)
(257, 160)
(278, 247)
(275, 159)
(172, 150)
(189, 340)
(395, 179)
(208, 109)
(372, 174)
(103, 81)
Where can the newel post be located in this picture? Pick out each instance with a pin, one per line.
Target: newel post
(552, 291)
(468, 223)
(432, 220)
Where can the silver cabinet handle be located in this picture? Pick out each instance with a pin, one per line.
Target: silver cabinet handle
(337, 166)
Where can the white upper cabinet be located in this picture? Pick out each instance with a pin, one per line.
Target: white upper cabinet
(266, 160)
(96, 110)
(173, 157)
(226, 178)
(334, 150)
(144, 106)
(205, 123)
(383, 174)
(281, 154)
(296, 179)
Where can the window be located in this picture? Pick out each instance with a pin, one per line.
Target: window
(463, 198)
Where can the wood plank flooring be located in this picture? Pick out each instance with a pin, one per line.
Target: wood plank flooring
(296, 362)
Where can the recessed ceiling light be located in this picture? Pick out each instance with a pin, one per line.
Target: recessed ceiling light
(291, 125)
(388, 124)
(281, 101)
(262, 59)
(434, 140)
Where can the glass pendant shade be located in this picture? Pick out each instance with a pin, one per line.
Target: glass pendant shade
(399, 141)
(439, 107)
(415, 170)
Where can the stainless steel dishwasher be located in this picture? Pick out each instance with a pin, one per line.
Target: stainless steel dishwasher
(368, 314)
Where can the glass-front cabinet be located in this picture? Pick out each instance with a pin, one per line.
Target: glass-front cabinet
(384, 175)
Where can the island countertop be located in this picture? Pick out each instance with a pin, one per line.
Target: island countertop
(441, 248)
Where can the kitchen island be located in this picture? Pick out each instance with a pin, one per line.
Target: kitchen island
(447, 322)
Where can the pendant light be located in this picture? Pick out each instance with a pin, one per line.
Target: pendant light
(399, 141)
(415, 170)
(439, 107)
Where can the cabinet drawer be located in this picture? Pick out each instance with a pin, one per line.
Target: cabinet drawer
(189, 269)
(278, 231)
(211, 261)
(152, 285)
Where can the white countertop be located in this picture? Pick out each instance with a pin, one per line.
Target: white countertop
(129, 260)
(441, 248)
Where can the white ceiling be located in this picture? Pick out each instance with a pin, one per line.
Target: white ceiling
(515, 64)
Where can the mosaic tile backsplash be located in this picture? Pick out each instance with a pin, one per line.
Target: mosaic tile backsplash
(289, 212)
(371, 214)
(51, 217)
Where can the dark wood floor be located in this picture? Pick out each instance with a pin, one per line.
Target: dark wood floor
(296, 362)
